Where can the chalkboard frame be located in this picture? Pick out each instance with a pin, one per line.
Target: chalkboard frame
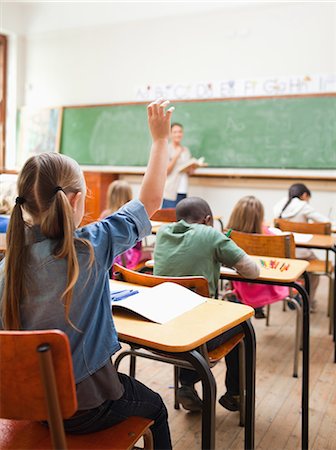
(228, 99)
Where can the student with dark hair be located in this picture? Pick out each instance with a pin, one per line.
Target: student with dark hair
(176, 187)
(192, 247)
(296, 208)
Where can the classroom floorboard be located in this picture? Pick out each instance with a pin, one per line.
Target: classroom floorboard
(278, 394)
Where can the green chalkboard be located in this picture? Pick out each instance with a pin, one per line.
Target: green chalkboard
(298, 132)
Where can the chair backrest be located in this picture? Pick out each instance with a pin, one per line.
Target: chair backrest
(198, 284)
(280, 246)
(303, 227)
(23, 385)
(165, 215)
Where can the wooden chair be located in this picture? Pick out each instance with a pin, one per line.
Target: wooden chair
(281, 246)
(37, 384)
(164, 215)
(200, 286)
(161, 215)
(316, 266)
(303, 227)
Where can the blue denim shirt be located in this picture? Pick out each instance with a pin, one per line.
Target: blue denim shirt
(95, 339)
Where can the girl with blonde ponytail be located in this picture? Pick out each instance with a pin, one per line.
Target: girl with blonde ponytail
(55, 275)
(248, 217)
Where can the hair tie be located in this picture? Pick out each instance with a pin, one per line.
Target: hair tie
(19, 200)
(58, 188)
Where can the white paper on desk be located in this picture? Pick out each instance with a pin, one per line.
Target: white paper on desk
(155, 223)
(276, 231)
(161, 303)
(299, 238)
(228, 270)
(302, 238)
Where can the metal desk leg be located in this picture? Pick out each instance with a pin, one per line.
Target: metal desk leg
(250, 367)
(209, 398)
(305, 365)
(306, 282)
(334, 302)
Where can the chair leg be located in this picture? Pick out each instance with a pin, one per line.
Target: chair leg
(283, 305)
(297, 341)
(132, 366)
(176, 386)
(331, 304)
(268, 312)
(148, 440)
(242, 384)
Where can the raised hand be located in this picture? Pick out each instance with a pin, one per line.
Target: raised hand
(159, 119)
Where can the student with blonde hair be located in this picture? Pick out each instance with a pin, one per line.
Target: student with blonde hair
(248, 217)
(55, 275)
(7, 198)
(119, 193)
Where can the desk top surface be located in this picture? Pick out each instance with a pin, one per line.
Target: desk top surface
(277, 270)
(322, 241)
(271, 269)
(184, 333)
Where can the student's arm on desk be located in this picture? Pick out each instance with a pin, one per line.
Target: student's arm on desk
(247, 267)
(313, 215)
(230, 255)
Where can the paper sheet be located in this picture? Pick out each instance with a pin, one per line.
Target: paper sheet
(162, 303)
(302, 238)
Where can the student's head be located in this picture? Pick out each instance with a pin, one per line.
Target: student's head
(51, 191)
(247, 215)
(194, 210)
(119, 192)
(176, 132)
(300, 191)
(7, 197)
(297, 190)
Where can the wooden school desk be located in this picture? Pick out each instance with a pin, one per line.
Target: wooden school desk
(289, 278)
(179, 340)
(328, 243)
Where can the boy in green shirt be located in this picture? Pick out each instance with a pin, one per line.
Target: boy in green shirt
(192, 247)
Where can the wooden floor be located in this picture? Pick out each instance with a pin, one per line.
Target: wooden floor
(278, 395)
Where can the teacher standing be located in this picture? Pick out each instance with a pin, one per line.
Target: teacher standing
(176, 187)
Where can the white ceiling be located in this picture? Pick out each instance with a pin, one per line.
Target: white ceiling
(26, 17)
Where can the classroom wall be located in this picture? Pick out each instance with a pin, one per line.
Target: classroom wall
(223, 194)
(107, 63)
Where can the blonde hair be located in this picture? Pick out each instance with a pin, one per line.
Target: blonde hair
(43, 185)
(7, 197)
(247, 216)
(119, 192)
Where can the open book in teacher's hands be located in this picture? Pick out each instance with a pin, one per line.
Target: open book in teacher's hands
(161, 303)
(193, 163)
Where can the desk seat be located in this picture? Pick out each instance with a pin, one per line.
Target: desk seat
(29, 435)
(317, 265)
